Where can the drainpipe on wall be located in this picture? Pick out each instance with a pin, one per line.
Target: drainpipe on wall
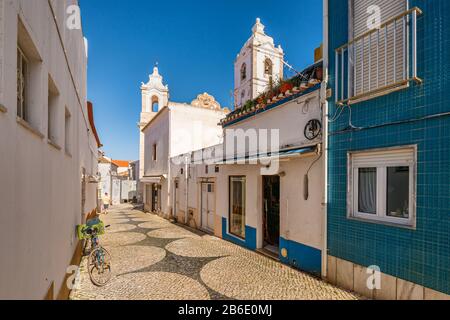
(186, 175)
(324, 102)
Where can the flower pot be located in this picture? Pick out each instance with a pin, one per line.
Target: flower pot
(286, 87)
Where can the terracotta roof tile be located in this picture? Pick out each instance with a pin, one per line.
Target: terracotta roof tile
(121, 163)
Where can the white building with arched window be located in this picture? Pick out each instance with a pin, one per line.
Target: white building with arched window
(258, 65)
(169, 129)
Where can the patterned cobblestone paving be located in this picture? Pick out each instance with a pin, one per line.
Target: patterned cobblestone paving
(157, 260)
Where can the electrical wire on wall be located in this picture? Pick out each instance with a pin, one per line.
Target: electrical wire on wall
(306, 178)
(350, 124)
(337, 115)
(305, 105)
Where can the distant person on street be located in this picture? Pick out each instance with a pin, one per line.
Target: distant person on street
(106, 202)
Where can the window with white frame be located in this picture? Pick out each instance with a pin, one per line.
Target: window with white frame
(237, 206)
(30, 87)
(382, 185)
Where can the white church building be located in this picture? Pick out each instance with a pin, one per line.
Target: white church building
(169, 129)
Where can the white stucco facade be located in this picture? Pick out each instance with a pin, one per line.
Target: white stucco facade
(290, 120)
(176, 128)
(48, 180)
(278, 209)
(155, 96)
(107, 171)
(301, 217)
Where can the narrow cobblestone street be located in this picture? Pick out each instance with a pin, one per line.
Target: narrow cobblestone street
(155, 259)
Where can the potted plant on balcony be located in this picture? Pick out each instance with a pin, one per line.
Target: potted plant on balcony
(262, 100)
(273, 92)
(286, 86)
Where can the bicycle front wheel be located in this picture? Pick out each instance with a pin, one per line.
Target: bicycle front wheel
(99, 266)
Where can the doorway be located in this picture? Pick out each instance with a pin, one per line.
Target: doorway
(175, 199)
(156, 199)
(271, 213)
(208, 203)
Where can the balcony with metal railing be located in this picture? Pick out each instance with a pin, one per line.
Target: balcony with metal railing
(379, 61)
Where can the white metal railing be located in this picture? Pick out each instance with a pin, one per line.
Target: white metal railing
(379, 60)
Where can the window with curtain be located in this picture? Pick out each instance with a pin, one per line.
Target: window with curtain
(383, 185)
(367, 190)
(237, 206)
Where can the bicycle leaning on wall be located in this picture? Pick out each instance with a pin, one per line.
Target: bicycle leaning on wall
(99, 260)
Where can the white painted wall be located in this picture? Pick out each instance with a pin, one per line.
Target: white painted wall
(106, 170)
(40, 192)
(177, 129)
(193, 175)
(300, 220)
(193, 128)
(290, 119)
(135, 169)
(157, 133)
(153, 90)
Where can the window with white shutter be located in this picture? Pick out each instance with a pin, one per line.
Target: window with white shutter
(382, 185)
(379, 58)
(381, 53)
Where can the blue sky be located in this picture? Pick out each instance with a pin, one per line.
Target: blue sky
(195, 43)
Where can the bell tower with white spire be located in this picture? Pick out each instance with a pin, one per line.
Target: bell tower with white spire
(155, 96)
(257, 66)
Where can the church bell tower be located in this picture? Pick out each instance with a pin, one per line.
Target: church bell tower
(155, 96)
(258, 65)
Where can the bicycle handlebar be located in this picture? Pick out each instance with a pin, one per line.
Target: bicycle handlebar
(92, 232)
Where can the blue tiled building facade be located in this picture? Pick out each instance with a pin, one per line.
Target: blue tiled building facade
(417, 116)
